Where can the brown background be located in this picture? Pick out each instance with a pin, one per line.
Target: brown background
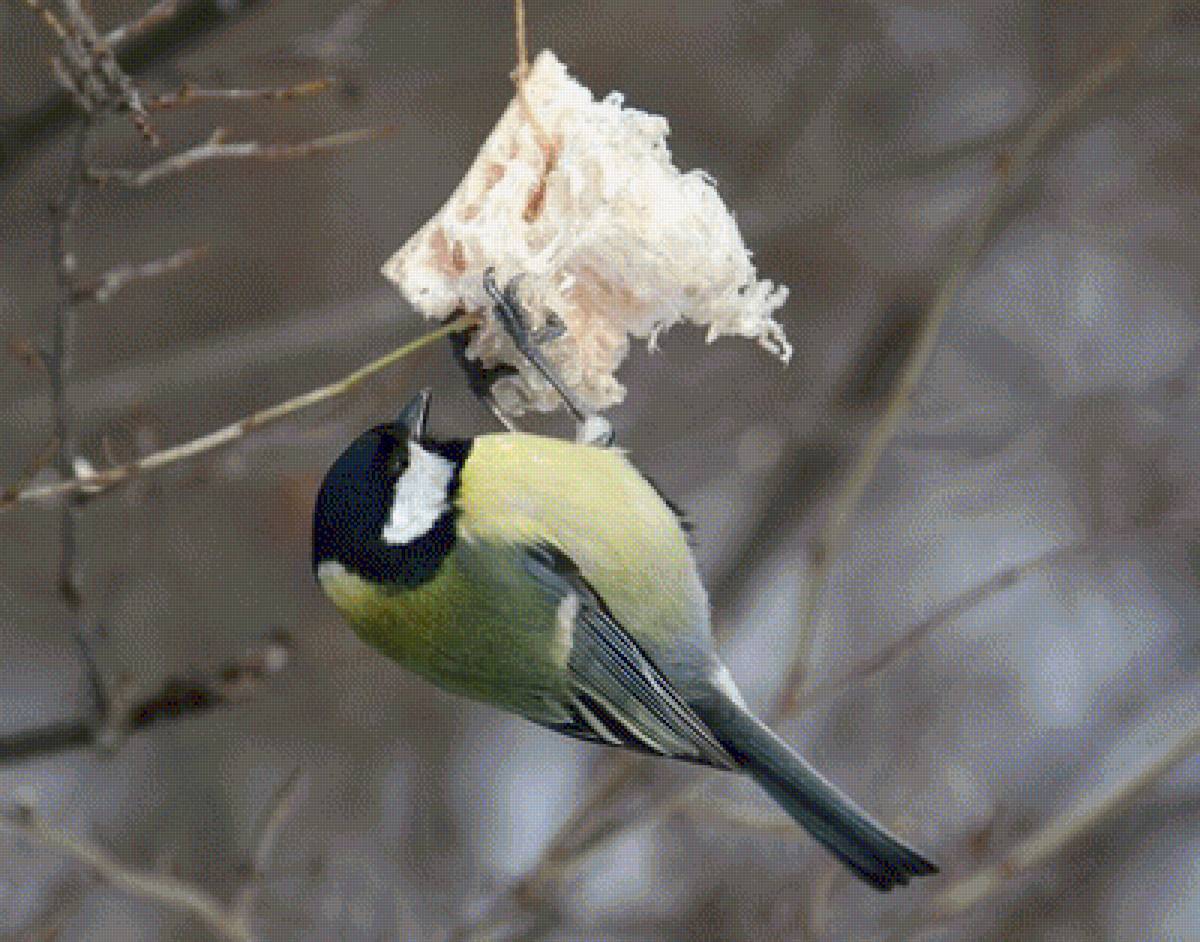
(854, 141)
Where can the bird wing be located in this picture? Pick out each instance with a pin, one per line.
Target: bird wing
(618, 696)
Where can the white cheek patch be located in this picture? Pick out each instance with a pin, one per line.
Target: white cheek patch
(420, 496)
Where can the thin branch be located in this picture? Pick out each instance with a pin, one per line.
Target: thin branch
(195, 23)
(1009, 170)
(519, 76)
(87, 68)
(522, 42)
(60, 363)
(233, 922)
(106, 286)
(278, 814)
(190, 93)
(275, 818)
(160, 888)
(526, 892)
(566, 841)
(159, 13)
(26, 354)
(49, 17)
(175, 698)
(916, 634)
(42, 459)
(111, 477)
(1088, 814)
(215, 148)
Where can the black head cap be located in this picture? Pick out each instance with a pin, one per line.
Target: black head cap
(355, 502)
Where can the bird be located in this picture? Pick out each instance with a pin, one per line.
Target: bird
(552, 579)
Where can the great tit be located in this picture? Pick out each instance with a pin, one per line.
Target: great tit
(552, 579)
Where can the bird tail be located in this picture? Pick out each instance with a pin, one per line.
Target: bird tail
(864, 846)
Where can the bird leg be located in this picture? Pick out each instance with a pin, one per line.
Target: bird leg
(592, 428)
(480, 379)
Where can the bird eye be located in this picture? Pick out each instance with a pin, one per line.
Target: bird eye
(397, 464)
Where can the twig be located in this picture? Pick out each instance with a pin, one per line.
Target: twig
(215, 148)
(564, 847)
(1102, 804)
(566, 840)
(111, 477)
(26, 354)
(190, 93)
(520, 74)
(231, 922)
(60, 361)
(275, 818)
(159, 13)
(88, 70)
(106, 286)
(802, 471)
(44, 457)
(49, 927)
(947, 614)
(522, 43)
(160, 888)
(1009, 169)
(49, 17)
(194, 23)
(176, 698)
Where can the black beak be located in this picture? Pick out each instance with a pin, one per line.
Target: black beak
(412, 417)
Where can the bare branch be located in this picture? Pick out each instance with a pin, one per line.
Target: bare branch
(215, 148)
(522, 42)
(519, 75)
(42, 459)
(49, 17)
(946, 615)
(26, 354)
(194, 24)
(232, 922)
(60, 363)
(1009, 170)
(104, 288)
(565, 847)
(88, 70)
(49, 927)
(111, 477)
(190, 93)
(275, 818)
(175, 698)
(1063, 830)
(160, 888)
(159, 13)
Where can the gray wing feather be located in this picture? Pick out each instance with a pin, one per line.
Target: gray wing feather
(619, 697)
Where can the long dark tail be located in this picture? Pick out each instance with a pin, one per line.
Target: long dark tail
(846, 830)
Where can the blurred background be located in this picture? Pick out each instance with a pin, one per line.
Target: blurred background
(1003, 661)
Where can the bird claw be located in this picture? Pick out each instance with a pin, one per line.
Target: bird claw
(511, 315)
(592, 428)
(553, 329)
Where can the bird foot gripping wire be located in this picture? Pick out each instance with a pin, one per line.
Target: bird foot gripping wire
(591, 428)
